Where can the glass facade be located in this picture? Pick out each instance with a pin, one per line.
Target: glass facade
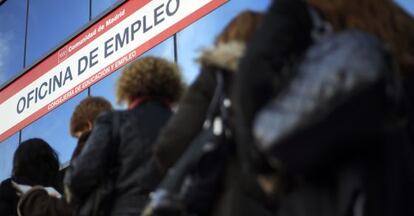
(12, 39)
(202, 33)
(30, 29)
(97, 7)
(7, 149)
(50, 23)
(54, 128)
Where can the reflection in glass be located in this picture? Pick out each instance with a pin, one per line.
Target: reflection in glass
(7, 149)
(51, 22)
(54, 128)
(12, 28)
(202, 33)
(99, 6)
(106, 87)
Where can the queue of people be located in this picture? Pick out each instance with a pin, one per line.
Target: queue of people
(303, 110)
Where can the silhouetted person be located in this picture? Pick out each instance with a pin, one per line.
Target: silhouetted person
(149, 86)
(37, 202)
(34, 163)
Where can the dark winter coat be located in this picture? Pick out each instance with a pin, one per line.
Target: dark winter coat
(238, 193)
(37, 202)
(187, 122)
(325, 128)
(341, 156)
(282, 38)
(409, 92)
(8, 195)
(8, 198)
(136, 176)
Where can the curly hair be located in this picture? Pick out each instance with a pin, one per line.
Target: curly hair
(87, 111)
(150, 77)
(36, 163)
(382, 18)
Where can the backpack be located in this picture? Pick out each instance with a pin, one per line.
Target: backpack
(335, 130)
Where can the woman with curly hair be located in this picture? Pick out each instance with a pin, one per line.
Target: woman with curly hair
(121, 154)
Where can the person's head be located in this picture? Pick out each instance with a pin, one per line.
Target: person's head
(36, 163)
(152, 78)
(230, 44)
(241, 28)
(382, 18)
(85, 114)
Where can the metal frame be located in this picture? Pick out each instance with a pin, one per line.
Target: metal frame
(92, 22)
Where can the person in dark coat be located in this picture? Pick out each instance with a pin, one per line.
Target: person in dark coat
(34, 163)
(149, 86)
(8, 198)
(282, 38)
(237, 193)
(318, 167)
(83, 119)
(230, 45)
(37, 201)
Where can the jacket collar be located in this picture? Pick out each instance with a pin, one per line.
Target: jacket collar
(140, 100)
(136, 102)
(225, 56)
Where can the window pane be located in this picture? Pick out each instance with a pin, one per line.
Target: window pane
(54, 128)
(51, 22)
(202, 33)
(99, 6)
(7, 149)
(106, 87)
(12, 26)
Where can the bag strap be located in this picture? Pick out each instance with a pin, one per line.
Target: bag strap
(115, 142)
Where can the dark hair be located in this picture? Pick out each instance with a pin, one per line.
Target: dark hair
(36, 163)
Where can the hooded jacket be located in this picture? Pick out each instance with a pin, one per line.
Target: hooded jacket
(188, 121)
(238, 194)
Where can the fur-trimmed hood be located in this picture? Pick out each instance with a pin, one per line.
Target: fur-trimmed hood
(225, 56)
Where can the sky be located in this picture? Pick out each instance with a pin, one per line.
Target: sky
(408, 5)
(47, 30)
